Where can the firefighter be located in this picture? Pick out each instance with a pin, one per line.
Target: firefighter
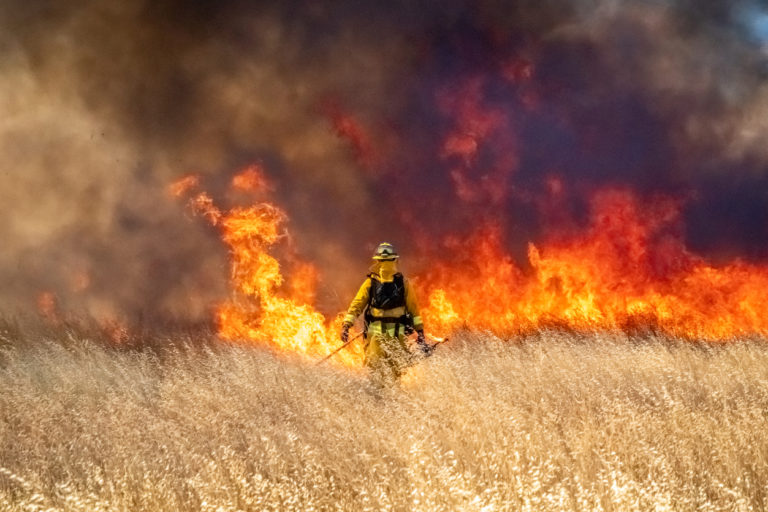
(388, 304)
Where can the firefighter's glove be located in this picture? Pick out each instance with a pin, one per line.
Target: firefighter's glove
(422, 343)
(345, 332)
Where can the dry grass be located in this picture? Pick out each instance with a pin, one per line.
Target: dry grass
(556, 422)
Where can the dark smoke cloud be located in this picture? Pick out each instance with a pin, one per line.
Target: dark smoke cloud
(104, 103)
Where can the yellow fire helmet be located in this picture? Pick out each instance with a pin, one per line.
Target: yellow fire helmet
(385, 252)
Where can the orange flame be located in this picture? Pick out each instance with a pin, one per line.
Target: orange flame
(623, 272)
(251, 179)
(182, 186)
(351, 130)
(264, 307)
(48, 306)
(627, 270)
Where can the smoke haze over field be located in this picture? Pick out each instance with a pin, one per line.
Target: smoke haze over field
(407, 121)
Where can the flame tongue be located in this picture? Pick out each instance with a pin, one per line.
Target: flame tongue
(624, 272)
(262, 308)
(261, 313)
(249, 232)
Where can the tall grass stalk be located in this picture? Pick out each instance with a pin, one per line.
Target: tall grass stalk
(555, 421)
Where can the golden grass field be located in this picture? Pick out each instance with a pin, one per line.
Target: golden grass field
(555, 421)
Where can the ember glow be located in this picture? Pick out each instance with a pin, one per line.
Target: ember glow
(251, 179)
(47, 307)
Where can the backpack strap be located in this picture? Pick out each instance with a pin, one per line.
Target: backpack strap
(367, 317)
(405, 321)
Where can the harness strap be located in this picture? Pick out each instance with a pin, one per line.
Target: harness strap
(402, 320)
(405, 319)
(401, 323)
(399, 311)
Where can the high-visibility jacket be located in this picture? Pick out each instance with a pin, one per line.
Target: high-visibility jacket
(385, 320)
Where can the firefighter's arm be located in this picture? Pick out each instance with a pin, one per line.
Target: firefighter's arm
(412, 306)
(358, 303)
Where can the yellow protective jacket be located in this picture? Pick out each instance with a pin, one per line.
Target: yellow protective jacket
(385, 272)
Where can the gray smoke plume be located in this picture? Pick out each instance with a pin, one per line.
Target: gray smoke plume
(103, 104)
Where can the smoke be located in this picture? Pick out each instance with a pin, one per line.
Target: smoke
(377, 121)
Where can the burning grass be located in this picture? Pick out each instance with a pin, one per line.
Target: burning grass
(552, 422)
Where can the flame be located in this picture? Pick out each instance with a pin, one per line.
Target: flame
(47, 306)
(115, 330)
(265, 308)
(476, 126)
(626, 270)
(350, 129)
(623, 272)
(251, 179)
(181, 186)
(203, 205)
